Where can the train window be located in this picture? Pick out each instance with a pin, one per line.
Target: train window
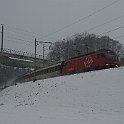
(111, 56)
(101, 55)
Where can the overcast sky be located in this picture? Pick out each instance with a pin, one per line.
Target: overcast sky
(27, 19)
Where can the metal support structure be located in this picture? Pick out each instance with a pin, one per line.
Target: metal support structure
(1, 52)
(68, 50)
(35, 61)
(2, 39)
(36, 44)
(43, 53)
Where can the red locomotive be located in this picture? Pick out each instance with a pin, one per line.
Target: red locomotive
(92, 61)
(100, 59)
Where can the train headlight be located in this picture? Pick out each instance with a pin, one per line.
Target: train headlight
(106, 64)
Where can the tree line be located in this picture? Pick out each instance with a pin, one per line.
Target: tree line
(82, 43)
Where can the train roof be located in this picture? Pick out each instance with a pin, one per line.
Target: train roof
(51, 66)
(100, 50)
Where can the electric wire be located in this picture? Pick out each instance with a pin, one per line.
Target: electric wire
(18, 39)
(22, 30)
(79, 20)
(82, 19)
(109, 21)
(69, 25)
(112, 30)
(19, 34)
(117, 37)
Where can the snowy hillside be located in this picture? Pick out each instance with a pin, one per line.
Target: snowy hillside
(88, 98)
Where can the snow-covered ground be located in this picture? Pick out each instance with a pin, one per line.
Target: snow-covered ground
(89, 98)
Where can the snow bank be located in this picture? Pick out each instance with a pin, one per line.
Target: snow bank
(88, 98)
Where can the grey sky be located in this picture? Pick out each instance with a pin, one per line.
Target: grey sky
(43, 17)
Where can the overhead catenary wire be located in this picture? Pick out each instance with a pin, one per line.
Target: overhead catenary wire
(21, 36)
(18, 39)
(119, 36)
(69, 25)
(15, 41)
(112, 30)
(82, 19)
(19, 31)
(12, 39)
(109, 21)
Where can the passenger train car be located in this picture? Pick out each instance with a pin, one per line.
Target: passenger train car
(100, 59)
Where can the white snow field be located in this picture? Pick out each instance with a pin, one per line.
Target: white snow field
(95, 97)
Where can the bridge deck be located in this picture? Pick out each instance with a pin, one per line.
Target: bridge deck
(21, 59)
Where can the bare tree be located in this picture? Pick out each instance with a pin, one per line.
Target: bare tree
(79, 44)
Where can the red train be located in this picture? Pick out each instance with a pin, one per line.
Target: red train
(100, 59)
(91, 61)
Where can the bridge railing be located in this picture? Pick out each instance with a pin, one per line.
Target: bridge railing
(6, 50)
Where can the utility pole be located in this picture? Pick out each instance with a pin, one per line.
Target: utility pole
(36, 44)
(68, 50)
(2, 39)
(35, 61)
(43, 53)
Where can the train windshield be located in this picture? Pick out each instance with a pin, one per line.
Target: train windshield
(111, 56)
(108, 55)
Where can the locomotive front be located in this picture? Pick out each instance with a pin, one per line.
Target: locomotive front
(109, 59)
